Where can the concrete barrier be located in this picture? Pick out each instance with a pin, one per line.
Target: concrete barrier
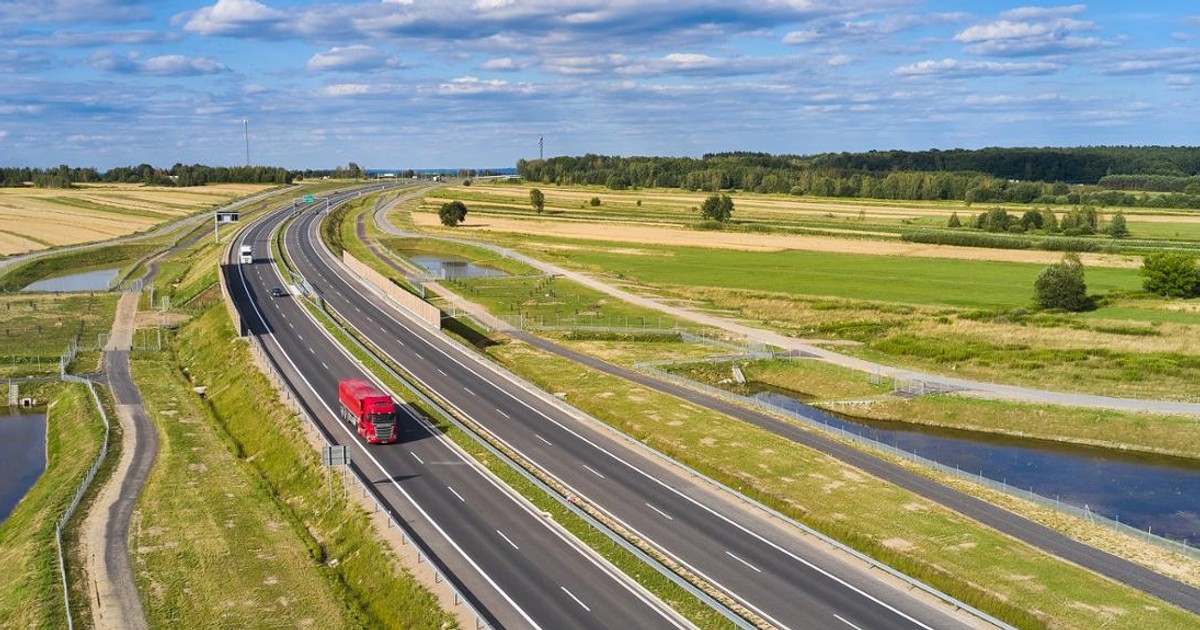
(424, 311)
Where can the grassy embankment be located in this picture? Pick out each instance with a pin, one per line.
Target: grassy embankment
(30, 585)
(931, 543)
(238, 501)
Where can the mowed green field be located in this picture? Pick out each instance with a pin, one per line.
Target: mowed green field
(931, 281)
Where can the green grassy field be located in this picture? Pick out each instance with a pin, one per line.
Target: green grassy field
(36, 328)
(30, 586)
(960, 283)
(979, 565)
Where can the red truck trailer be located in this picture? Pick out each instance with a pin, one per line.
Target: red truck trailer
(370, 410)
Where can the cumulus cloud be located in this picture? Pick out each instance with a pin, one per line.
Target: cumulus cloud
(958, 69)
(360, 58)
(237, 18)
(3, 134)
(474, 86)
(1030, 31)
(161, 66)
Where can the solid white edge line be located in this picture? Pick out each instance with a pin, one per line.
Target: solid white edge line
(379, 466)
(687, 498)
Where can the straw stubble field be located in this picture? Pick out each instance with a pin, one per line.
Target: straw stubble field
(36, 218)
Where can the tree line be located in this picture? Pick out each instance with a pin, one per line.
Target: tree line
(64, 176)
(1046, 176)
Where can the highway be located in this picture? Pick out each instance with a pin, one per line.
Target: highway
(514, 564)
(775, 572)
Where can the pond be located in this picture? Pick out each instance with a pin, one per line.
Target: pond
(1141, 490)
(22, 457)
(95, 280)
(446, 266)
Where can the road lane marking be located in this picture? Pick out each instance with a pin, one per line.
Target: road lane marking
(594, 471)
(311, 351)
(300, 337)
(839, 618)
(456, 494)
(514, 545)
(419, 356)
(416, 456)
(743, 562)
(442, 373)
(324, 366)
(503, 414)
(664, 514)
(291, 325)
(581, 604)
(543, 439)
(468, 390)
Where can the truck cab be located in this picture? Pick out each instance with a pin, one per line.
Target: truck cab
(245, 255)
(370, 410)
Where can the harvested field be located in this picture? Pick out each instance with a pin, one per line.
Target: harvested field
(35, 218)
(651, 235)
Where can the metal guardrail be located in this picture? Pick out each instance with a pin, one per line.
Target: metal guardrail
(1058, 506)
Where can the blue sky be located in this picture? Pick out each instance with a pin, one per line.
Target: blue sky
(412, 83)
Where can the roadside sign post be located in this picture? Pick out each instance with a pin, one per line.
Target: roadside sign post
(220, 217)
(336, 455)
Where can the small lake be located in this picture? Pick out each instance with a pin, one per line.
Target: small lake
(22, 457)
(1141, 490)
(447, 266)
(97, 280)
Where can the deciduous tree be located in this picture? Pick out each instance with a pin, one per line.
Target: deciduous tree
(452, 213)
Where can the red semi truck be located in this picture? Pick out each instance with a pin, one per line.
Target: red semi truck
(370, 410)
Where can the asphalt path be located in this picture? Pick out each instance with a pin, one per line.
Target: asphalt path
(517, 567)
(772, 571)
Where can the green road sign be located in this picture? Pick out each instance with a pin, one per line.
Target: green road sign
(308, 198)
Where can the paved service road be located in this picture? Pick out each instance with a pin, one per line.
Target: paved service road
(514, 564)
(774, 571)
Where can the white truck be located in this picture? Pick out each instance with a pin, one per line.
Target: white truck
(245, 255)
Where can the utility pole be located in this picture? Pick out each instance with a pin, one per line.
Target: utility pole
(541, 148)
(246, 125)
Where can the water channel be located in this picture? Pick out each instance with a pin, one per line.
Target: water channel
(453, 266)
(22, 457)
(95, 280)
(1141, 490)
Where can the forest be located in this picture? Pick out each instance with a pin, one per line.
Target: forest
(64, 176)
(1104, 176)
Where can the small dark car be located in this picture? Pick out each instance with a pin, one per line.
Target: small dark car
(277, 292)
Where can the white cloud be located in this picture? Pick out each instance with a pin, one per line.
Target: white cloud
(501, 64)
(956, 68)
(473, 86)
(235, 18)
(838, 61)
(3, 134)
(1163, 60)
(1030, 31)
(358, 57)
(348, 89)
(162, 66)
(840, 31)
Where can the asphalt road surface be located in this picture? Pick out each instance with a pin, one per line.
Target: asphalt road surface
(514, 564)
(774, 572)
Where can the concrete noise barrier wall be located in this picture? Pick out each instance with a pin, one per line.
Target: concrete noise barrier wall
(422, 310)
